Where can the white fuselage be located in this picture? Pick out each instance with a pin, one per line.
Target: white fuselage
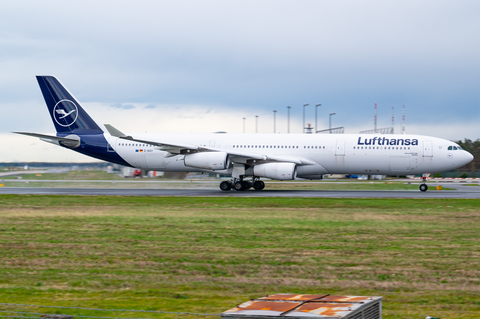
(320, 153)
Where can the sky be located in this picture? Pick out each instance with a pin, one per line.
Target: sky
(203, 66)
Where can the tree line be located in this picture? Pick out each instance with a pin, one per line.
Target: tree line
(473, 147)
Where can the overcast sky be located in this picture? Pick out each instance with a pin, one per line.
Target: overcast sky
(202, 66)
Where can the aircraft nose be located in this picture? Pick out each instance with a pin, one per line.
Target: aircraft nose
(467, 157)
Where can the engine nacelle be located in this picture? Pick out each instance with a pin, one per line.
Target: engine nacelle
(208, 160)
(280, 171)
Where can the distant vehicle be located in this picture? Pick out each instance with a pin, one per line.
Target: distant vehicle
(246, 157)
(137, 173)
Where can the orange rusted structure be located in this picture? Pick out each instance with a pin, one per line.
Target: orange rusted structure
(308, 306)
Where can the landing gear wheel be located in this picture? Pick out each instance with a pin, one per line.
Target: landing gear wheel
(225, 186)
(258, 185)
(239, 186)
(247, 185)
(423, 187)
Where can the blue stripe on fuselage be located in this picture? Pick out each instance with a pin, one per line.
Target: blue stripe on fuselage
(95, 145)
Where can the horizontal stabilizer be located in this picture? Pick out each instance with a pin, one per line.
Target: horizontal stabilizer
(50, 137)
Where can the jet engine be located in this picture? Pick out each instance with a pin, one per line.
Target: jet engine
(208, 160)
(280, 171)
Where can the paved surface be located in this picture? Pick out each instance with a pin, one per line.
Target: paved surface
(461, 192)
(41, 171)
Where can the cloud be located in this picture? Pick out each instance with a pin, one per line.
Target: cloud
(123, 106)
(226, 60)
(150, 106)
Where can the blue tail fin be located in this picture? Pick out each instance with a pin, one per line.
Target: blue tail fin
(67, 114)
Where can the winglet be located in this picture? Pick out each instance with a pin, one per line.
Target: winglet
(113, 131)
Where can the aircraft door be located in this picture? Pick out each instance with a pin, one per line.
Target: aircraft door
(111, 141)
(340, 148)
(427, 149)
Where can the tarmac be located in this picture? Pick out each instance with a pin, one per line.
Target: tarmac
(461, 191)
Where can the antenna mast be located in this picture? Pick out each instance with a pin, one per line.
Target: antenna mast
(393, 119)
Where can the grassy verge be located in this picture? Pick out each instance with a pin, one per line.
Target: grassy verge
(207, 255)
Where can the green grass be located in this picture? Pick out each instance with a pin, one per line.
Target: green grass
(209, 254)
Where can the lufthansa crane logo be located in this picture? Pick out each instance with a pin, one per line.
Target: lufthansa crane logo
(65, 113)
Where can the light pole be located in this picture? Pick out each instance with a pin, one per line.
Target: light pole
(330, 124)
(274, 121)
(288, 116)
(256, 123)
(304, 104)
(243, 125)
(316, 106)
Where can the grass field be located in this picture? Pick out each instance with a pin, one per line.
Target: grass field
(209, 254)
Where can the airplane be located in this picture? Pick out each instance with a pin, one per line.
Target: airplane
(246, 157)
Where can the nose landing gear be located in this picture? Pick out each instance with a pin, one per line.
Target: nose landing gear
(423, 187)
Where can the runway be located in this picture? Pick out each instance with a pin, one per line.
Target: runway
(460, 192)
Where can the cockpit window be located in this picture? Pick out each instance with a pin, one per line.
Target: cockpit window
(454, 148)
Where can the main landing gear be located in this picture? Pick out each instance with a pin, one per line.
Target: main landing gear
(423, 187)
(242, 185)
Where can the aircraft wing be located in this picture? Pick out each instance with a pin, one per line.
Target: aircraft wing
(176, 148)
(236, 155)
